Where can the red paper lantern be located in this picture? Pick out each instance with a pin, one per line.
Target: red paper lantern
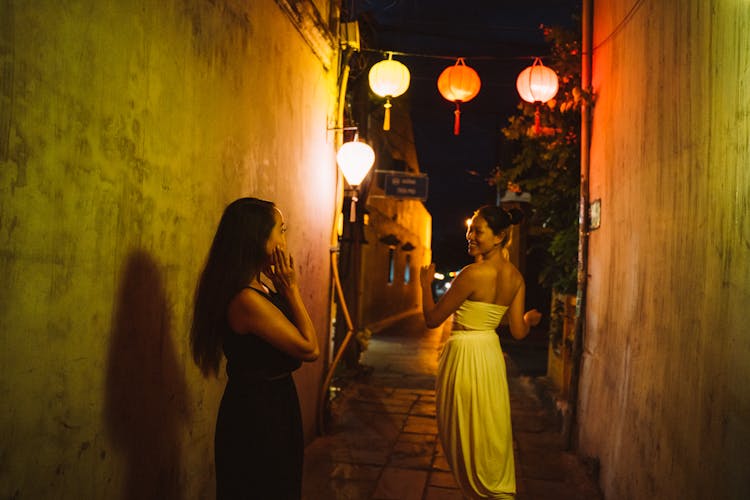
(537, 84)
(458, 83)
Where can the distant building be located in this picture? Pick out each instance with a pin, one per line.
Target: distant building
(392, 236)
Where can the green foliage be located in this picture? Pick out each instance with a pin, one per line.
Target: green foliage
(547, 164)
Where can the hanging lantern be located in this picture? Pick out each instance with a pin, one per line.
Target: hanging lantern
(458, 83)
(537, 84)
(389, 79)
(355, 159)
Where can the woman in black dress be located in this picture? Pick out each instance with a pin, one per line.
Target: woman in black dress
(265, 336)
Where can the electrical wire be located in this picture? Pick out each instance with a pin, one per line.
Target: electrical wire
(445, 57)
(621, 25)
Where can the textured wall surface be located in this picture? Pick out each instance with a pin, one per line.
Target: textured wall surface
(125, 128)
(664, 395)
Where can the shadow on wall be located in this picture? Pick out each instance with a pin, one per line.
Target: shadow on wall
(146, 400)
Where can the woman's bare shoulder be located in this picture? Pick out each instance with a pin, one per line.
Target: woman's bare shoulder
(247, 297)
(482, 280)
(512, 271)
(479, 270)
(246, 303)
(509, 277)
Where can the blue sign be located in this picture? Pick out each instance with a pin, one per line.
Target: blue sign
(406, 186)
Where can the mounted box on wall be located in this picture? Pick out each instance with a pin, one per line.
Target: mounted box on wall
(595, 214)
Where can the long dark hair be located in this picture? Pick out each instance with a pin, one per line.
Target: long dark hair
(499, 219)
(237, 255)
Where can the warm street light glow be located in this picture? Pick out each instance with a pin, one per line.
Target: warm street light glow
(355, 159)
(389, 79)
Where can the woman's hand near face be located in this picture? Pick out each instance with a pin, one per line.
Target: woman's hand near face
(282, 273)
(256, 315)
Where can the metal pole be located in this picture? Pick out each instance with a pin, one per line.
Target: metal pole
(569, 421)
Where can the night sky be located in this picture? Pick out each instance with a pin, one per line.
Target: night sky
(498, 39)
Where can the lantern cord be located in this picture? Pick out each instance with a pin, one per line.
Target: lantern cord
(353, 209)
(387, 117)
(457, 119)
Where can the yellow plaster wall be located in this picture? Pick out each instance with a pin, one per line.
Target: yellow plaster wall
(125, 128)
(664, 397)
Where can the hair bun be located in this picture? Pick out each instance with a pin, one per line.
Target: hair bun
(515, 215)
(498, 218)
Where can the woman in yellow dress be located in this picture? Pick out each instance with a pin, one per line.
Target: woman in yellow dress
(473, 408)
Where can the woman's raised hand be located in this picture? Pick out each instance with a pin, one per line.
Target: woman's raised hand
(427, 275)
(283, 275)
(532, 317)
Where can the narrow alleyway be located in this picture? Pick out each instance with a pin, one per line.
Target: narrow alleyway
(382, 441)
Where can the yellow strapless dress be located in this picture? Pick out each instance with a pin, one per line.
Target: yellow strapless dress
(473, 407)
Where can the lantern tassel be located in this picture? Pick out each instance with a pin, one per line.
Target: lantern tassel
(537, 121)
(387, 118)
(457, 120)
(353, 209)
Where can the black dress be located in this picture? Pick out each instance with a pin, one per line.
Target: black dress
(259, 443)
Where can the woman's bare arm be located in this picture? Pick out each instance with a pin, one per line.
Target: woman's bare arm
(519, 321)
(253, 314)
(461, 288)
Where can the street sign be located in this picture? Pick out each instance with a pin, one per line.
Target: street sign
(405, 185)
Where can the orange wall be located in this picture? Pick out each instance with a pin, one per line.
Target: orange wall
(664, 398)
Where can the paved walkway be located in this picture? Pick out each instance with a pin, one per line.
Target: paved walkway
(382, 442)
